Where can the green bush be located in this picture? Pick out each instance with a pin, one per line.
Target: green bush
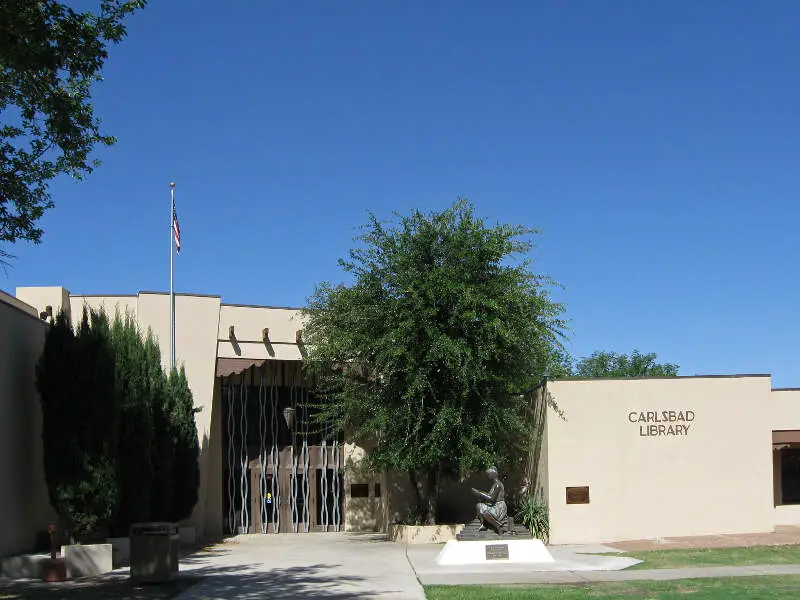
(120, 440)
(186, 467)
(536, 517)
(75, 378)
(135, 443)
(164, 436)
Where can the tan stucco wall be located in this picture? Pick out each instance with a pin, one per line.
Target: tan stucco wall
(785, 409)
(196, 324)
(249, 323)
(715, 479)
(24, 505)
(42, 297)
(361, 514)
(113, 305)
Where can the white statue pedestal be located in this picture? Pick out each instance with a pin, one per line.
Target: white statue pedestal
(503, 551)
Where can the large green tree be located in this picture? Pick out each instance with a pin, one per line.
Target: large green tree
(612, 364)
(420, 356)
(50, 57)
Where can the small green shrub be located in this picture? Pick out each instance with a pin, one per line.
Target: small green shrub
(536, 517)
(413, 517)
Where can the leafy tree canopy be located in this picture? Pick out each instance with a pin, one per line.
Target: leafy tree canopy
(50, 56)
(611, 364)
(420, 357)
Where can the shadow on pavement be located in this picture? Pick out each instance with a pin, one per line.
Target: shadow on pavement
(108, 587)
(248, 582)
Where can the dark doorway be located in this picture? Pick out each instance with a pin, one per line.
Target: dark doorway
(790, 476)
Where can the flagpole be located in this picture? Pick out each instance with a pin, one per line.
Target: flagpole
(171, 278)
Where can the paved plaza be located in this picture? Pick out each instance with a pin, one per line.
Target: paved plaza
(309, 566)
(345, 565)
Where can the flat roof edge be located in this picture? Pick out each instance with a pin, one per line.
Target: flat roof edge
(178, 294)
(19, 305)
(262, 306)
(102, 295)
(737, 376)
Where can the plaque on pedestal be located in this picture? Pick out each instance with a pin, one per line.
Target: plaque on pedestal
(526, 550)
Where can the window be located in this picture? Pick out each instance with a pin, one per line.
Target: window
(377, 490)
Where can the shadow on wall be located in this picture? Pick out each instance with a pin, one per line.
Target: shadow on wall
(213, 453)
(456, 502)
(363, 512)
(25, 510)
(206, 493)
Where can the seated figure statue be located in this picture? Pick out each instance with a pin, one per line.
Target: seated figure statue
(492, 511)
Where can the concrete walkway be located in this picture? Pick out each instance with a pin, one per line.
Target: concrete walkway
(337, 566)
(348, 566)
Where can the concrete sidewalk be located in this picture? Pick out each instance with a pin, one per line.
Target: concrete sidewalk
(336, 566)
(571, 567)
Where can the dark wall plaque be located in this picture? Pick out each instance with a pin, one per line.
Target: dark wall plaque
(496, 551)
(578, 495)
(359, 490)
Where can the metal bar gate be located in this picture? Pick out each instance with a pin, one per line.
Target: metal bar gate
(284, 474)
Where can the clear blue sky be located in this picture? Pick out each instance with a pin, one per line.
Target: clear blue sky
(656, 144)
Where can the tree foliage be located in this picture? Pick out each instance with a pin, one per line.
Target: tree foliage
(50, 58)
(163, 433)
(75, 377)
(120, 441)
(136, 398)
(186, 454)
(420, 357)
(611, 364)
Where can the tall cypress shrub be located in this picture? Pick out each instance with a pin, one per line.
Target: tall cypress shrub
(75, 379)
(135, 443)
(186, 467)
(164, 435)
(55, 382)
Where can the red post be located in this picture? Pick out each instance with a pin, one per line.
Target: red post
(52, 531)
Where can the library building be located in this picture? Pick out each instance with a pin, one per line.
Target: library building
(621, 459)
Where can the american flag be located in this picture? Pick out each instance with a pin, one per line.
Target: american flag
(176, 230)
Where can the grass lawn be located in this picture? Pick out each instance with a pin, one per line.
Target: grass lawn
(717, 557)
(781, 587)
(101, 589)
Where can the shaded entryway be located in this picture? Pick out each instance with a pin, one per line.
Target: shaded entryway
(283, 472)
(786, 467)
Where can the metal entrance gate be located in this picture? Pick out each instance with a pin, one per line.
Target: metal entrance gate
(284, 472)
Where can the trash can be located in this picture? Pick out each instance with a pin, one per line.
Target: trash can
(154, 552)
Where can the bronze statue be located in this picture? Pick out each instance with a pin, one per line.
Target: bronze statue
(492, 511)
